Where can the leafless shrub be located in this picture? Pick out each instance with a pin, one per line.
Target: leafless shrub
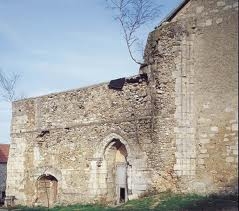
(8, 83)
(132, 15)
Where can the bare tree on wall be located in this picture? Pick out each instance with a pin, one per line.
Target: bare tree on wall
(133, 15)
(8, 83)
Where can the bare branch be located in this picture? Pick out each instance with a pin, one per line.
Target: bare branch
(8, 85)
(132, 15)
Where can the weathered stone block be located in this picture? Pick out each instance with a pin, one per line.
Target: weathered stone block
(214, 129)
(204, 141)
(234, 127)
(199, 9)
(221, 3)
(230, 159)
(208, 22)
(218, 21)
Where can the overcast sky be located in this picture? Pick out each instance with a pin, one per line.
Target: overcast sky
(58, 45)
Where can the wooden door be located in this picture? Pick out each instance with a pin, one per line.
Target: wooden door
(121, 182)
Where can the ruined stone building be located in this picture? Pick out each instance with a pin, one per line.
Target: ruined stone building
(172, 127)
(4, 150)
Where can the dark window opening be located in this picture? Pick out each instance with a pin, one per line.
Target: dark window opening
(2, 197)
(122, 195)
(3, 194)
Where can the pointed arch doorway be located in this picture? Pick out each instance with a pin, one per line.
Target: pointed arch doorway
(115, 156)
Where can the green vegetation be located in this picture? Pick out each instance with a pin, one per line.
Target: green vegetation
(162, 202)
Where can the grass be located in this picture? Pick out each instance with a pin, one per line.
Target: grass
(162, 202)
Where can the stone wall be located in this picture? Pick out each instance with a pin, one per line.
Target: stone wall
(178, 128)
(65, 135)
(194, 69)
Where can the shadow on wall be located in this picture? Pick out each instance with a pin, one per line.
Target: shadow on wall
(193, 202)
(224, 200)
(215, 202)
(232, 187)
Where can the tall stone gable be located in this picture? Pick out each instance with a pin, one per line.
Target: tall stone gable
(175, 129)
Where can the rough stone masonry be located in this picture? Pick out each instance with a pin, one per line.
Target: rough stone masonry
(176, 129)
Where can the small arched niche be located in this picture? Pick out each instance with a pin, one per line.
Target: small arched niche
(46, 190)
(115, 156)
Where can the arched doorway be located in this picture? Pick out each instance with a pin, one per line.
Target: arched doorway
(116, 178)
(46, 190)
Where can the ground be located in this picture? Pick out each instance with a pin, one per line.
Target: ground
(162, 202)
